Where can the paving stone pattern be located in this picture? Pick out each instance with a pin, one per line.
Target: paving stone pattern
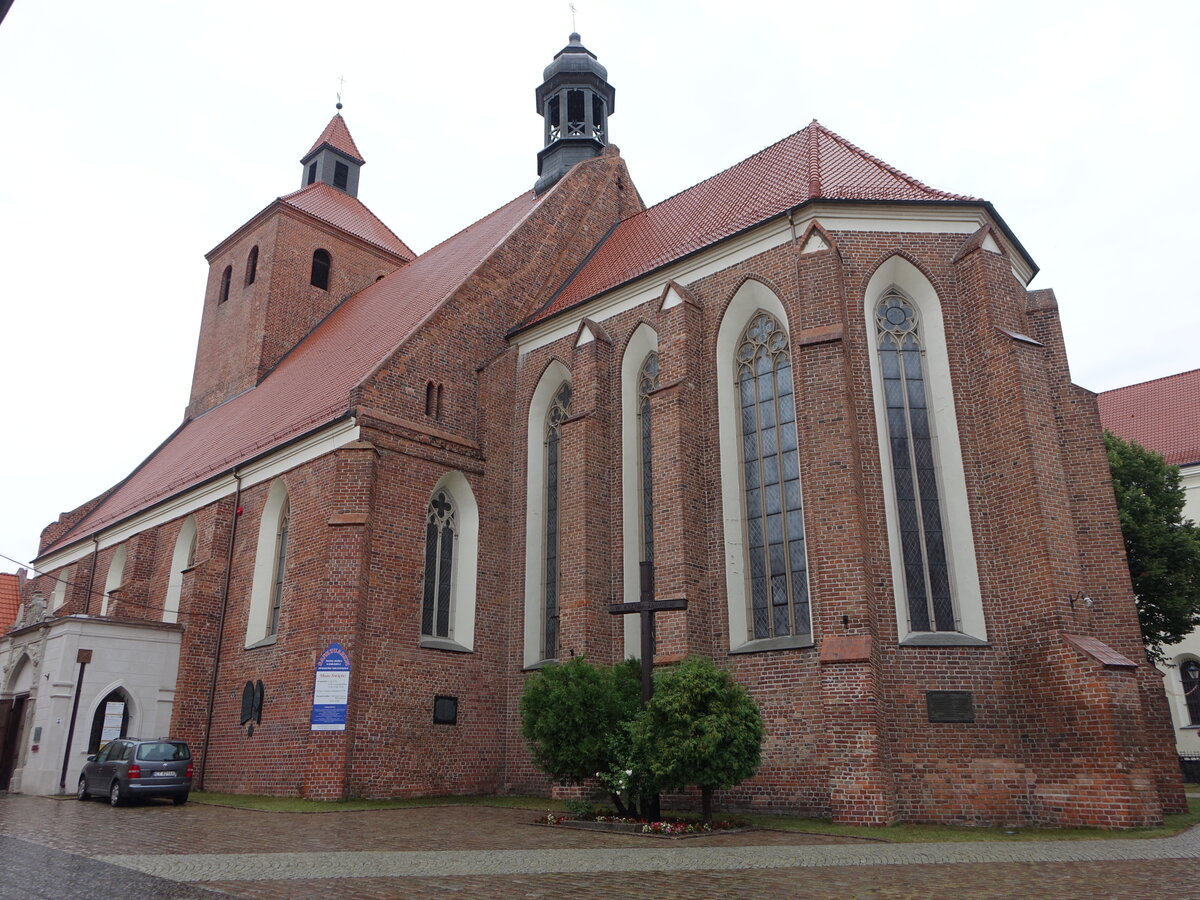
(498, 853)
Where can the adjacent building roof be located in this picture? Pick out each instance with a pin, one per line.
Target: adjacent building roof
(1162, 415)
(10, 599)
(814, 163)
(337, 136)
(339, 209)
(311, 386)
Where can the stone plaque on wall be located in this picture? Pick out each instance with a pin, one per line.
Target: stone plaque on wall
(950, 706)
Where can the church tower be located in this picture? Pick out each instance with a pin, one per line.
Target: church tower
(275, 278)
(575, 100)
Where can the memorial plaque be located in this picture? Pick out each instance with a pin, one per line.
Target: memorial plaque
(445, 710)
(950, 706)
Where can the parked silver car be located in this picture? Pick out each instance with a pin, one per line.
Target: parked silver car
(126, 768)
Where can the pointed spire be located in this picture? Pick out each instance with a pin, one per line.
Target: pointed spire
(334, 158)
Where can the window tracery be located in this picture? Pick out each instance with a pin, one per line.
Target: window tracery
(774, 514)
(914, 464)
(441, 533)
(557, 414)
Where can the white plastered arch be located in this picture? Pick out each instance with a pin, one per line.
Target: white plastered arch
(180, 559)
(751, 298)
(898, 272)
(463, 580)
(265, 558)
(535, 489)
(642, 343)
(116, 574)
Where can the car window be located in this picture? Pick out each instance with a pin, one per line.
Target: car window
(163, 751)
(102, 756)
(123, 752)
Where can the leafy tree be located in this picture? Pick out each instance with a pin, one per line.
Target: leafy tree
(571, 714)
(700, 728)
(1163, 548)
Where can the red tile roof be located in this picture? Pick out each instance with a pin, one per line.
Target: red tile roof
(10, 599)
(337, 136)
(814, 163)
(1162, 415)
(348, 213)
(311, 386)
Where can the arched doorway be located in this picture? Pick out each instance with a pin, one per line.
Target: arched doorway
(12, 719)
(110, 721)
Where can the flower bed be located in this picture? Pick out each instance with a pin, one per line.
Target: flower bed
(673, 828)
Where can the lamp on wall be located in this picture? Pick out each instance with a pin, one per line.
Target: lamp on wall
(1081, 596)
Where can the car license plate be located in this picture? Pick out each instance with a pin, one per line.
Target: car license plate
(168, 774)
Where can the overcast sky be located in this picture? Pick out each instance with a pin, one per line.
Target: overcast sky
(141, 133)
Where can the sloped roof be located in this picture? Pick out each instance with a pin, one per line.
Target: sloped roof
(311, 385)
(814, 163)
(1162, 415)
(10, 599)
(350, 214)
(337, 136)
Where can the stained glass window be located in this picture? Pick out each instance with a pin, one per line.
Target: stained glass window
(778, 568)
(926, 574)
(441, 528)
(559, 410)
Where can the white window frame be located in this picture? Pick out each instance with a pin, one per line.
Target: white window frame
(553, 378)
(751, 298)
(180, 560)
(116, 575)
(265, 561)
(464, 564)
(642, 343)
(958, 534)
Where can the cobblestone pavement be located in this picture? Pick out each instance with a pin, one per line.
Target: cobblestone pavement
(498, 853)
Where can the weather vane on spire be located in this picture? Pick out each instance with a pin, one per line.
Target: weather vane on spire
(341, 87)
(573, 28)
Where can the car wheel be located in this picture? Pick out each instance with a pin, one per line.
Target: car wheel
(82, 792)
(179, 799)
(114, 794)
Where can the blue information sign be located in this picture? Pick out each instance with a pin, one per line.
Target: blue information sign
(331, 690)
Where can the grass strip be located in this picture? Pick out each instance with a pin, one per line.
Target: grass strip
(902, 834)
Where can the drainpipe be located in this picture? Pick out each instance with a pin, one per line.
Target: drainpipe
(212, 687)
(83, 657)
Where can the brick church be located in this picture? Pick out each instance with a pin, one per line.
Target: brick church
(812, 390)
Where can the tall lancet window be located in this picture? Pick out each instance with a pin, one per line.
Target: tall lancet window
(914, 464)
(778, 570)
(559, 410)
(441, 530)
(647, 383)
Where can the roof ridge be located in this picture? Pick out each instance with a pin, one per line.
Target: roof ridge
(1126, 387)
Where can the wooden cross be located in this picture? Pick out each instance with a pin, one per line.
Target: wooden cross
(646, 607)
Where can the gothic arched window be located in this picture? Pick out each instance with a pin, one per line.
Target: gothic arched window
(441, 532)
(647, 383)
(1189, 674)
(914, 464)
(321, 265)
(774, 514)
(559, 410)
(252, 265)
(226, 277)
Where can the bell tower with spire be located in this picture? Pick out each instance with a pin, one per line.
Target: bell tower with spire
(575, 100)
